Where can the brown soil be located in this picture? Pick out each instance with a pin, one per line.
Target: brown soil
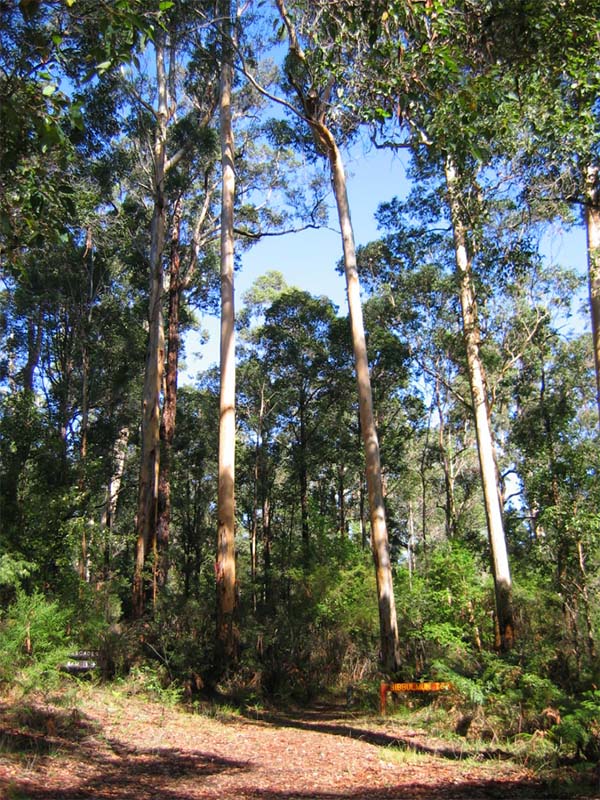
(114, 747)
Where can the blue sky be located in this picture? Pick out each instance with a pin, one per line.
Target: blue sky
(308, 259)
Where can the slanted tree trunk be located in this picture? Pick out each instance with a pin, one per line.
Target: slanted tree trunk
(390, 645)
(167, 425)
(485, 444)
(153, 377)
(314, 103)
(225, 563)
(592, 219)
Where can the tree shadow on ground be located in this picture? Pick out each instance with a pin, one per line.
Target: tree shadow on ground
(101, 768)
(415, 791)
(126, 773)
(333, 725)
(96, 766)
(39, 730)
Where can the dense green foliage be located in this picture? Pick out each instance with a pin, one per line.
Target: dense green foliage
(437, 78)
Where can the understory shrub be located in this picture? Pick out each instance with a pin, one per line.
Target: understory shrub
(33, 641)
(578, 732)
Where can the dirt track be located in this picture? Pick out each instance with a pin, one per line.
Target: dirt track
(118, 748)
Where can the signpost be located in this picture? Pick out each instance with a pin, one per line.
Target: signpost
(420, 686)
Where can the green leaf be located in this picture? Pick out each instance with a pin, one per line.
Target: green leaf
(165, 4)
(49, 89)
(103, 66)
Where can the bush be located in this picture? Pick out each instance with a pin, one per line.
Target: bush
(33, 642)
(579, 728)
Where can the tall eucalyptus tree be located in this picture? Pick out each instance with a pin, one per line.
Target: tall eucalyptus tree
(313, 90)
(423, 67)
(553, 50)
(225, 563)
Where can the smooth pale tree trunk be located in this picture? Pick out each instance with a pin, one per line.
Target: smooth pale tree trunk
(169, 413)
(592, 220)
(267, 555)
(388, 625)
(485, 444)
(315, 109)
(225, 563)
(153, 377)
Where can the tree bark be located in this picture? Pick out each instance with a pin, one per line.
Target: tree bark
(153, 377)
(112, 494)
(388, 625)
(303, 480)
(167, 425)
(485, 443)
(341, 474)
(259, 490)
(267, 556)
(447, 465)
(592, 219)
(225, 563)
(34, 346)
(315, 109)
(88, 260)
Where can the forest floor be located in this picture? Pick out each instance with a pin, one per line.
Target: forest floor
(106, 745)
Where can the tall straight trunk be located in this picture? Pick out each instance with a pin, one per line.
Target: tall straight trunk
(254, 524)
(267, 555)
(112, 494)
(258, 482)
(225, 564)
(342, 499)
(364, 533)
(34, 347)
(12, 478)
(88, 256)
(83, 565)
(153, 377)
(423, 477)
(562, 554)
(303, 483)
(485, 444)
(364, 537)
(411, 543)
(444, 442)
(592, 219)
(167, 425)
(388, 625)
